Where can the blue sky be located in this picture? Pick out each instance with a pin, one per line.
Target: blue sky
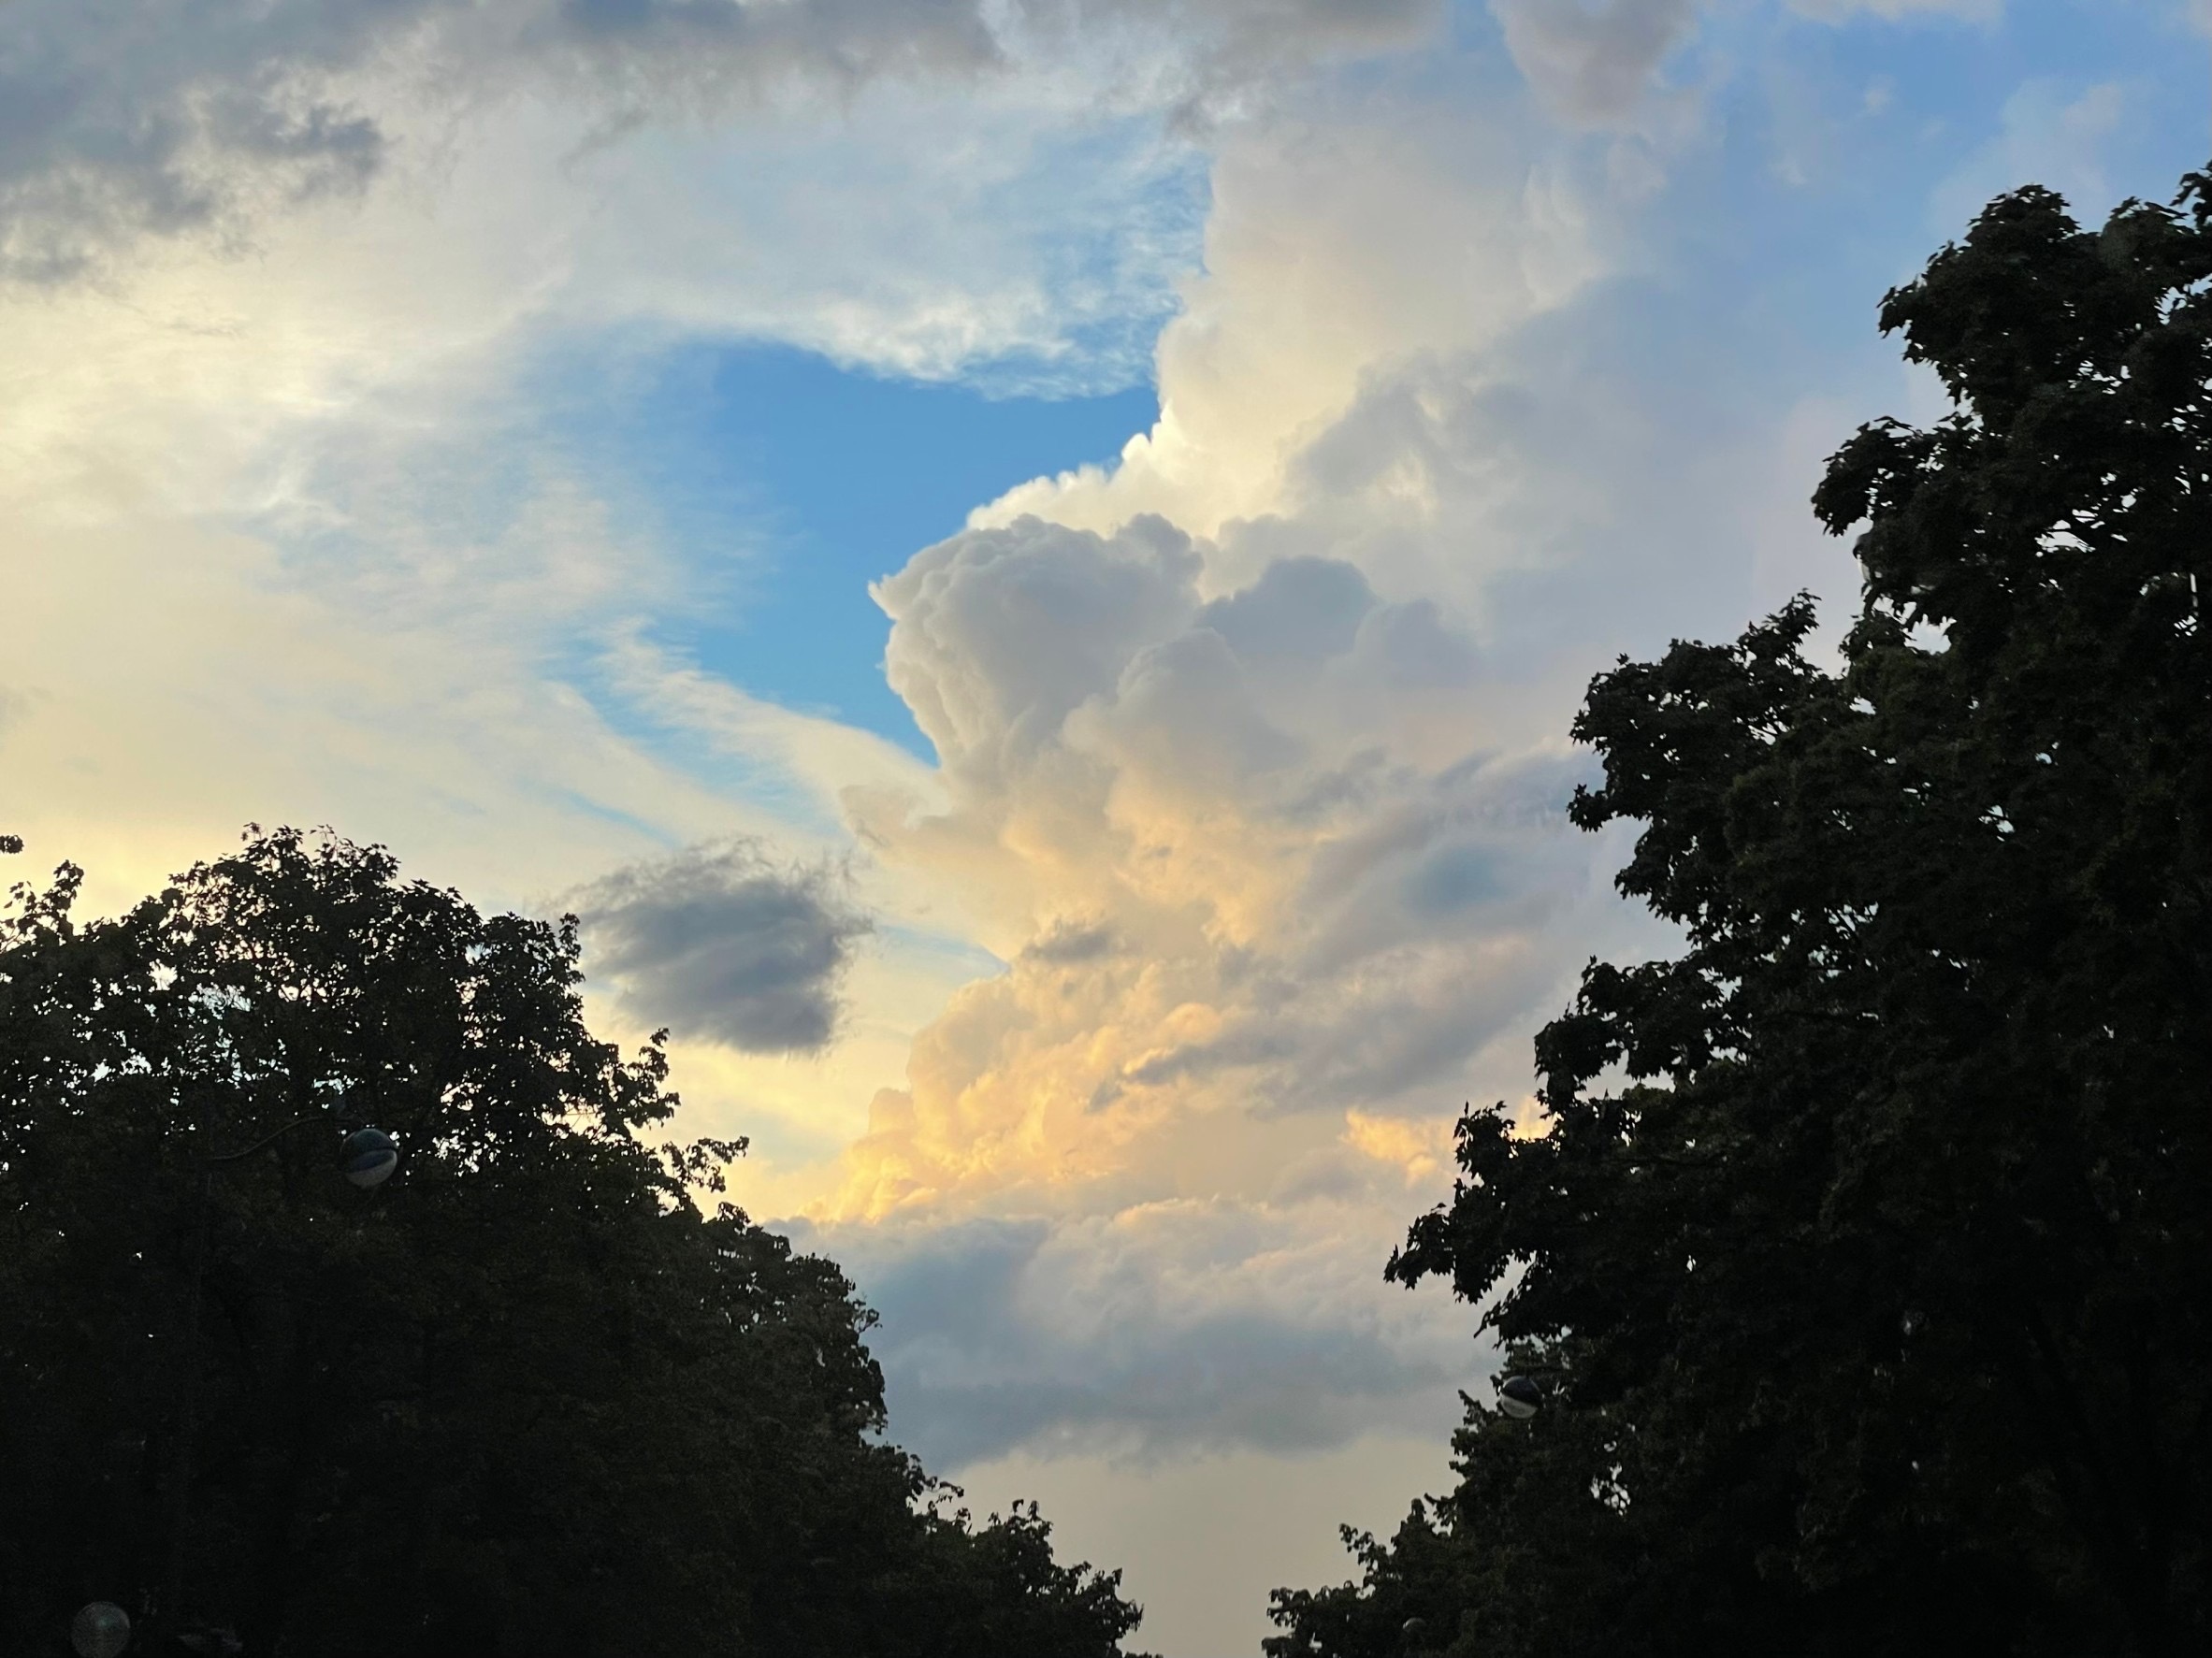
(743, 456)
(1258, 418)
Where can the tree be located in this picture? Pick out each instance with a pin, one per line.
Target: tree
(1864, 1253)
(526, 1398)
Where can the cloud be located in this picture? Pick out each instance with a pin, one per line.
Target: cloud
(120, 121)
(1165, 1329)
(1229, 54)
(125, 120)
(1273, 804)
(1296, 309)
(721, 945)
(1594, 65)
(1066, 942)
(1252, 751)
(1009, 630)
(1246, 865)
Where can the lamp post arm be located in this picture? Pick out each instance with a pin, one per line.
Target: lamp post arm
(269, 1139)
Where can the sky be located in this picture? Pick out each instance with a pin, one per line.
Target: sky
(1025, 567)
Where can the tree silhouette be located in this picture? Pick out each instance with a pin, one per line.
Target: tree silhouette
(1863, 1258)
(526, 1398)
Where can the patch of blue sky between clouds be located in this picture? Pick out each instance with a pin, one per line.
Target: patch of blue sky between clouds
(782, 484)
(777, 362)
(783, 449)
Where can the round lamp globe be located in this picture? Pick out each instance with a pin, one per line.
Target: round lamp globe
(1519, 1397)
(368, 1157)
(100, 1630)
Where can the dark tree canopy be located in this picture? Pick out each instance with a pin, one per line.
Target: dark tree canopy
(526, 1398)
(1864, 1257)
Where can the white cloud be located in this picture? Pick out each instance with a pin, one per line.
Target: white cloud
(1017, 245)
(1008, 631)
(1300, 303)
(298, 489)
(129, 120)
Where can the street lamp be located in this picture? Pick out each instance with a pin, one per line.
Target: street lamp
(1519, 1397)
(101, 1629)
(368, 1157)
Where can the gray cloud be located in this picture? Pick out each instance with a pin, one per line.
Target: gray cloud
(722, 946)
(1593, 64)
(121, 121)
(1003, 1335)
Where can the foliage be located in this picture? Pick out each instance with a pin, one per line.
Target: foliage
(526, 1398)
(1864, 1251)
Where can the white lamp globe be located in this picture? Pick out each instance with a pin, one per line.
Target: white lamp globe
(101, 1629)
(368, 1157)
(1519, 1397)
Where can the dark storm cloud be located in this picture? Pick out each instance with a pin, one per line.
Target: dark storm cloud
(721, 945)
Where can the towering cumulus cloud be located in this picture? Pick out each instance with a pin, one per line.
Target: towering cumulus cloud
(1236, 882)
(1254, 765)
